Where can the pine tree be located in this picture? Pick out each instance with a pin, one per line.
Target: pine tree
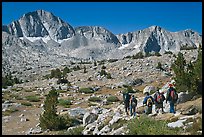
(188, 76)
(159, 66)
(49, 119)
(198, 64)
(179, 69)
(85, 69)
(191, 79)
(58, 73)
(65, 71)
(95, 64)
(198, 71)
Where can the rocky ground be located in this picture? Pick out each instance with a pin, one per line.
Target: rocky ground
(21, 116)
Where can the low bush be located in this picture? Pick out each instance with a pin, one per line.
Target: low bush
(61, 91)
(65, 103)
(129, 90)
(94, 99)
(9, 111)
(86, 90)
(28, 90)
(195, 127)
(32, 98)
(91, 104)
(112, 99)
(63, 81)
(75, 131)
(26, 104)
(145, 125)
(118, 124)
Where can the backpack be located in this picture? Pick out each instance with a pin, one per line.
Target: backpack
(159, 98)
(126, 97)
(149, 102)
(134, 101)
(174, 95)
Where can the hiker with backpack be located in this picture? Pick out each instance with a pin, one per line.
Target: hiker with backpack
(172, 97)
(148, 102)
(126, 99)
(133, 105)
(159, 99)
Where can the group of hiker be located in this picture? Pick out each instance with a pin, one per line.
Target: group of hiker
(158, 98)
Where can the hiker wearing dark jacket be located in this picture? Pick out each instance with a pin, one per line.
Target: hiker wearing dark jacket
(133, 105)
(126, 99)
(170, 98)
(148, 102)
(159, 99)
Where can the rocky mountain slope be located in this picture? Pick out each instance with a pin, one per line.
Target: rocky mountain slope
(21, 115)
(160, 40)
(40, 41)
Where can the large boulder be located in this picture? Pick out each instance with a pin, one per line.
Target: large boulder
(119, 131)
(115, 118)
(88, 130)
(191, 111)
(89, 118)
(183, 97)
(149, 89)
(104, 130)
(77, 112)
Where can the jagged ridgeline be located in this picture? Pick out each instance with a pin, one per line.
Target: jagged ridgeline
(39, 39)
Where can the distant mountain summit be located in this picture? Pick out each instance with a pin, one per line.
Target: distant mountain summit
(40, 23)
(96, 32)
(160, 40)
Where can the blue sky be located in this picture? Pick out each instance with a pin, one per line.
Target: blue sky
(118, 17)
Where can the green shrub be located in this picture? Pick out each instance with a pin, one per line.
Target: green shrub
(168, 52)
(75, 131)
(32, 98)
(47, 76)
(75, 68)
(112, 60)
(112, 99)
(65, 103)
(95, 64)
(56, 73)
(94, 99)
(103, 67)
(187, 48)
(9, 111)
(196, 126)
(61, 91)
(128, 89)
(13, 96)
(101, 62)
(118, 124)
(159, 66)
(127, 57)
(86, 90)
(138, 56)
(91, 104)
(18, 98)
(157, 54)
(148, 126)
(108, 76)
(28, 90)
(8, 80)
(26, 104)
(103, 73)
